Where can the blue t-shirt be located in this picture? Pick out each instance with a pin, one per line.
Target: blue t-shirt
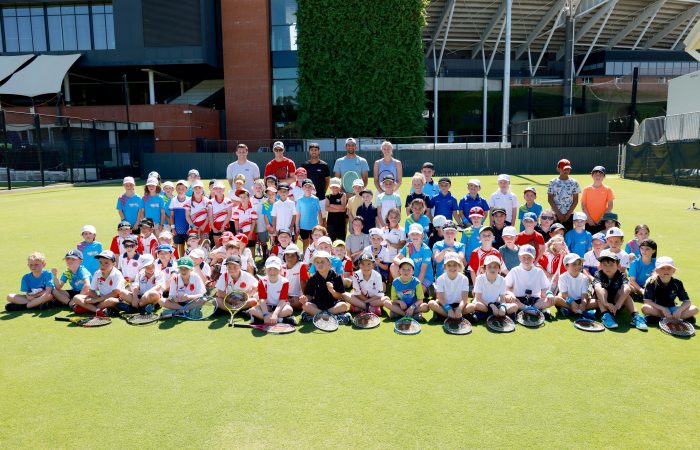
(166, 204)
(422, 256)
(406, 292)
(422, 221)
(130, 207)
(536, 208)
(470, 239)
(430, 189)
(640, 271)
(308, 208)
(440, 246)
(445, 205)
(152, 206)
(77, 279)
(266, 209)
(467, 203)
(336, 266)
(90, 251)
(357, 164)
(578, 243)
(32, 285)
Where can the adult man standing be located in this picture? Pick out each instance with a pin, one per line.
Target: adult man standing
(351, 162)
(242, 166)
(562, 194)
(281, 167)
(317, 170)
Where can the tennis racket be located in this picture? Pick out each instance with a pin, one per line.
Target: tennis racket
(500, 324)
(348, 178)
(677, 327)
(407, 325)
(530, 317)
(234, 302)
(325, 321)
(141, 318)
(206, 246)
(86, 322)
(457, 326)
(275, 328)
(589, 325)
(383, 174)
(199, 309)
(366, 320)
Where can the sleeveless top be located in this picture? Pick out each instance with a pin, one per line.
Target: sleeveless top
(389, 166)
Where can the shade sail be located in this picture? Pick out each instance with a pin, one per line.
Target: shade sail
(42, 76)
(10, 64)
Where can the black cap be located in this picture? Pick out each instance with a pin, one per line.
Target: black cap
(282, 186)
(74, 254)
(600, 169)
(235, 259)
(444, 179)
(307, 182)
(388, 177)
(130, 238)
(284, 230)
(366, 257)
(124, 224)
(271, 176)
(428, 165)
(557, 226)
(365, 191)
(497, 209)
(147, 222)
(486, 229)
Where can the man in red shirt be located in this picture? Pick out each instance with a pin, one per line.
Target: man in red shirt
(281, 167)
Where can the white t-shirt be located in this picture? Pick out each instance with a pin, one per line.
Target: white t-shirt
(272, 293)
(105, 285)
(246, 282)
(382, 256)
(590, 260)
(624, 259)
(199, 210)
(393, 236)
(296, 192)
(219, 210)
(146, 284)
(294, 276)
(284, 211)
(507, 201)
(194, 287)
(574, 287)
(370, 287)
(129, 267)
(452, 289)
(249, 169)
(490, 292)
(520, 279)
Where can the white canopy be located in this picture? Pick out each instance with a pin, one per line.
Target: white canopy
(10, 64)
(44, 75)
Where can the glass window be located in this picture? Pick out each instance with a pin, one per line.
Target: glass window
(24, 27)
(99, 32)
(11, 35)
(283, 12)
(70, 39)
(109, 19)
(83, 29)
(284, 92)
(55, 33)
(284, 37)
(283, 73)
(39, 33)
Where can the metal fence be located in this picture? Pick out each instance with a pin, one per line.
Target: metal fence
(39, 149)
(669, 163)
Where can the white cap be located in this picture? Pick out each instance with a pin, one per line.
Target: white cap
(128, 180)
(375, 232)
(614, 231)
(665, 261)
(527, 250)
(504, 177)
(146, 259)
(165, 234)
(407, 261)
(415, 228)
(453, 257)
(509, 231)
(197, 253)
(218, 185)
(322, 254)
(492, 259)
(273, 262)
(193, 172)
(474, 181)
(358, 182)
(198, 183)
(323, 239)
(580, 216)
(183, 182)
(572, 257)
(350, 141)
(335, 182)
(152, 182)
(153, 174)
(279, 144)
(291, 248)
(89, 229)
(439, 221)
(168, 184)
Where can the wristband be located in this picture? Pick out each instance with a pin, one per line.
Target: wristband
(502, 306)
(447, 308)
(569, 301)
(548, 293)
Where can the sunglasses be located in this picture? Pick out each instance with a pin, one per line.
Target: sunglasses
(277, 150)
(547, 217)
(130, 246)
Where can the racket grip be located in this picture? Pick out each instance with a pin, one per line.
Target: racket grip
(62, 319)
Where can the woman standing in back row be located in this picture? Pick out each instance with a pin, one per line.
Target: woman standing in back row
(387, 165)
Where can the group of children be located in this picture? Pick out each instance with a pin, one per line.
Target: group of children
(176, 243)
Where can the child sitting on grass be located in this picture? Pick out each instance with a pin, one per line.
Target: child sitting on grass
(367, 288)
(452, 288)
(612, 292)
(490, 291)
(408, 294)
(76, 275)
(661, 293)
(37, 285)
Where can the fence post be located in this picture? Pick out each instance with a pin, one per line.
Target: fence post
(94, 147)
(37, 128)
(7, 149)
(119, 152)
(82, 140)
(70, 150)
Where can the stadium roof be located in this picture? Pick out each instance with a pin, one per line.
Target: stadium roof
(538, 24)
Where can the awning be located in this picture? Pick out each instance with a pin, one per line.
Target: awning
(10, 64)
(42, 76)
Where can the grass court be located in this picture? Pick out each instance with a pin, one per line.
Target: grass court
(196, 384)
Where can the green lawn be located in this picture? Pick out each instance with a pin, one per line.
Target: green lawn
(187, 384)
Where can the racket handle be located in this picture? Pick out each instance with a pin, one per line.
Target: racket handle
(62, 319)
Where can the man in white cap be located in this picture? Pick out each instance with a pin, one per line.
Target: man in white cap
(242, 166)
(351, 162)
(281, 167)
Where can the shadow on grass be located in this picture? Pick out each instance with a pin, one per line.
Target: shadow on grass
(219, 321)
(41, 313)
(530, 181)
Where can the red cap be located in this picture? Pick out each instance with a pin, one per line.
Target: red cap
(301, 170)
(191, 233)
(564, 164)
(476, 211)
(242, 238)
(226, 235)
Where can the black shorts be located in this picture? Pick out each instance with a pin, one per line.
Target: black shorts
(179, 239)
(71, 293)
(528, 300)
(304, 234)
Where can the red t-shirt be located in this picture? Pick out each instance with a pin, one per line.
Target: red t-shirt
(274, 165)
(535, 239)
(477, 257)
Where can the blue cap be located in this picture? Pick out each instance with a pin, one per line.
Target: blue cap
(599, 237)
(74, 254)
(530, 216)
(165, 248)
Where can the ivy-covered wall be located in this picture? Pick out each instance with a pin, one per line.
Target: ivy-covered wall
(361, 67)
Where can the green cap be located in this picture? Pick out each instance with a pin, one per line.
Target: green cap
(185, 261)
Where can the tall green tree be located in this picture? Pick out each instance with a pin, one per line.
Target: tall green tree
(361, 67)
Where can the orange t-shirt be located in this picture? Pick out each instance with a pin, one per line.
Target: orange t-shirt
(597, 200)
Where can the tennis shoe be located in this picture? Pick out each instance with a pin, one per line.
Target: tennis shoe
(691, 320)
(609, 321)
(78, 309)
(547, 315)
(589, 314)
(306, 317)
(566, 312)
(652, 320)
(418, 317)
(343, 319)
(148, 309)
(639, 322)
(101, 313)
(289, 320)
